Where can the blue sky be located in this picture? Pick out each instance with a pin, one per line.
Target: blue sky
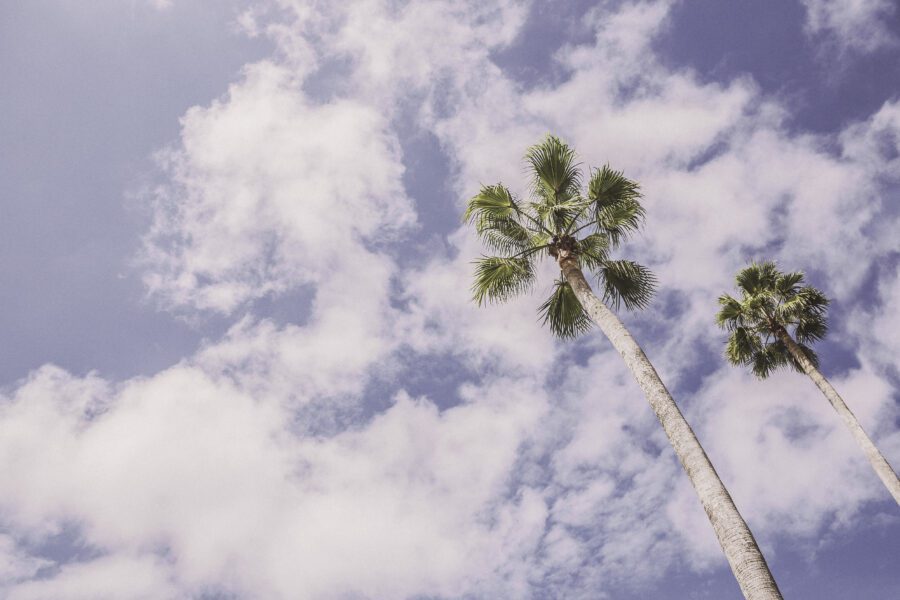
(240, 359)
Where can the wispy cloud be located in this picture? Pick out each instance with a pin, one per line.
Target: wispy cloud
(851, 25)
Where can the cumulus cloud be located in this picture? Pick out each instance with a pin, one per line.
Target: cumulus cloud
(285, 461)
(855, 25)
(760, 424)
(873, 327)
(875, 142)
(376, 37)
(270, 191)
(15, 563)
(184, 478)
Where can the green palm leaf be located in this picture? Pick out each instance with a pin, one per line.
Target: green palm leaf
(616, 204)
(593, 251)
(769, 358)
(811, 329)
(556, 176)
(498, 279)
(742, 345)
(786, 284)
(731, 313)
(771, 304)
(563, 312)
(627, 282)
(758, 277)
(560, 216)
(492, 202)
(620, 220)
(505, 236)
(608, 187)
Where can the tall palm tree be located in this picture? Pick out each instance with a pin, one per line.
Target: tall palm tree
(579, 229)
(771, 304)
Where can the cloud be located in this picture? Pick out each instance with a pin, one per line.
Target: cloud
(875, 142)
(287, 460)
(15, 563)
(873, 326)
(186, 484)
(269, 192)
(376, 36)
(852, 25)
(128, 578)
(786, 421)
(182, 482)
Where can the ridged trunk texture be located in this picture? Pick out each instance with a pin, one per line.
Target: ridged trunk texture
(743, 554)
(876, 459)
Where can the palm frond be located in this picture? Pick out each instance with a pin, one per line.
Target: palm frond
(759, 307)
(498, 279)
(741, 346)
(627, 282)
(558, 217)
(731, 315)
(592, 250)
(615, 200)
(758, 277)
(786, 284)
(814, 300)
(769, 358)
(556, 176)
(563, 312)
(608, 187)
(620, 220)
(505, 236)
(492, 202)
(811, 328)
(803, 303)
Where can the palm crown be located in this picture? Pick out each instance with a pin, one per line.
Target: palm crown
(560, 216)
(771, 303)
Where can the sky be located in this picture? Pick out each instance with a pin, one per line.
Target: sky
(240, 358)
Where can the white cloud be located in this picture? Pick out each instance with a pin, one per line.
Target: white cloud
(15, 563)
(409, 48)
(269, 192)
(875, 142)
(187, 484)
(161, 4)
(441, 318)
(795, 446)
(236, 470)
(874, 327)
(856, 25)
(113, 578)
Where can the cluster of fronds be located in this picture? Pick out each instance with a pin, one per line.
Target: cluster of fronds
(594, 222)
(771, 302)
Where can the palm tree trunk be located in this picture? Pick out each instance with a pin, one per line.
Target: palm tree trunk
(876, 459)
(743, 554)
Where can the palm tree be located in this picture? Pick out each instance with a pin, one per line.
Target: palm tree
(580, 230)
(771, 303)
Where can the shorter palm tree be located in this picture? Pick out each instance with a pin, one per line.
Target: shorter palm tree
(772, 304)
